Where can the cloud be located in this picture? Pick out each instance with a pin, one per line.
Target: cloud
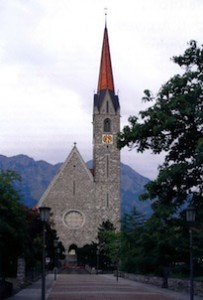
(49, 64)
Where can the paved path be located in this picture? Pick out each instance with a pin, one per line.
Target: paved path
(33, 291)
(105, 287)
(97, 287)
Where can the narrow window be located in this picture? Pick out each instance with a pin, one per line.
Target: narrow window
(107, 125)
(73, 187)
(107, 107)
(107, 200)
(107, 166)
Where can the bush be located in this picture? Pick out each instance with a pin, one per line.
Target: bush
(6, 289)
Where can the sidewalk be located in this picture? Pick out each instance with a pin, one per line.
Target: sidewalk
(33, 291)
(97, 287)
(159, 290)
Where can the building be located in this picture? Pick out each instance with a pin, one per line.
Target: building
(81, 199)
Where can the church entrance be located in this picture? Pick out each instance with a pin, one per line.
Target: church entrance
(73, 262)
(71, 258)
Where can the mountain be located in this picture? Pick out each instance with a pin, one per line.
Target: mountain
(132, 185)
(36, 176)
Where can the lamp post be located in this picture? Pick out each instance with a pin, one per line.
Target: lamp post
(58, 252)
(190, 217)
(117, 245)
(55, 258)
(98, 250)
(44, 216)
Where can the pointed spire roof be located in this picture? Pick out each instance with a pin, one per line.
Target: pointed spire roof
(105, 74)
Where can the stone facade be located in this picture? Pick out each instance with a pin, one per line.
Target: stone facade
(107, 160)
(81, 199)
(20, 272)
(71, 198)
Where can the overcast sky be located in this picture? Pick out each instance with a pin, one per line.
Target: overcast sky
(49, 66)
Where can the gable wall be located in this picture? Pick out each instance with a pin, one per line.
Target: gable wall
(73, 192)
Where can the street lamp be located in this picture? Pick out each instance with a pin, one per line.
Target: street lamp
(55, 258)
(117, 245)
(44, 216)
(98, 251)
(190, 217)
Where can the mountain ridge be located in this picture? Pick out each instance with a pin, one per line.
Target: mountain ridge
(36, 176)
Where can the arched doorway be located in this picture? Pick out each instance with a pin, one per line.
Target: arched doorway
(71, 258)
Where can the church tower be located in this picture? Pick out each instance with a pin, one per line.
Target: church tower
(106, 156)
(81, 199)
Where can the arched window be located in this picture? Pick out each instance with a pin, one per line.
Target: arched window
(107, 125)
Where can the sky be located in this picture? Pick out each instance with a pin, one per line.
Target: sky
(49, 65)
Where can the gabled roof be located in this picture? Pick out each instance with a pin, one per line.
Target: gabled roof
(65, 169)
(98, 99)
(105, 74)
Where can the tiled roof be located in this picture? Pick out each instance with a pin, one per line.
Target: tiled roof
(105, 75)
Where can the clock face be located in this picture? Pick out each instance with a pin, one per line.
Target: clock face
(107, 138)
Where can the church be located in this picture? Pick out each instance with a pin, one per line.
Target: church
(81, 198)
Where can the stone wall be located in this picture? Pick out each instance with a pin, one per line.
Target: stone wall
(179, 285)
(20, 272)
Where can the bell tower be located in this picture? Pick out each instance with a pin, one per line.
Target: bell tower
(106, 156)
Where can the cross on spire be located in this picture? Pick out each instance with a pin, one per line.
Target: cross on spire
(105, 10)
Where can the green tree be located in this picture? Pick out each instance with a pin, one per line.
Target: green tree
(154, 245)
(33, 243)
(160, 242)
(20, 229)
(174, 125)
(132, 227)
(106, 232)
(87, 255)
(12, 222)
(103, 249)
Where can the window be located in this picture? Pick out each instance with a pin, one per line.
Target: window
(74, 219)
(107, 166)
(107, 125)
(107, 107)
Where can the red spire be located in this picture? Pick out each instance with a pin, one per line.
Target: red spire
(105, 73)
